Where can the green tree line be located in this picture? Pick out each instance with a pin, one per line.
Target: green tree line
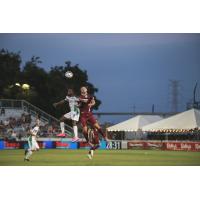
(46, 87)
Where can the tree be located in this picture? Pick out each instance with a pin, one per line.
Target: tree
(9, 69)
(37, 78)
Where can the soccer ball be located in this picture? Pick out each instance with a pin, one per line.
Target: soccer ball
(68, 74)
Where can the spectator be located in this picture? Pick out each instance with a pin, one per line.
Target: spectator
(23, 118)
(6, 122)
(3, 112)
(20, 136)
(28, 118)
(13, 135)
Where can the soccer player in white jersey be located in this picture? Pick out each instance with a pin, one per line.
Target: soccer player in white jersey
(32, 142)
(73, 115)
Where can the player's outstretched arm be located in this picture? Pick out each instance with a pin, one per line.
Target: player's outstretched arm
(83, 100)
(58, 103)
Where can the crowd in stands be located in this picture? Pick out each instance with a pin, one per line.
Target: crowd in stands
(2, 112)
(190, 136)
(15, 128)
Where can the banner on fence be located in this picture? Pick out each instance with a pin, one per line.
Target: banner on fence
(165, 145)
(66, 145)
(182, 146)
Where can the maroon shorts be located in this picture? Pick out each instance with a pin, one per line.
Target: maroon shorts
(87, 117)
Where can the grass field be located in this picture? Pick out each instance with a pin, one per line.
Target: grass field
(57, 157)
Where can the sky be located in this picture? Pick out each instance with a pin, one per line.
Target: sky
(131, 71)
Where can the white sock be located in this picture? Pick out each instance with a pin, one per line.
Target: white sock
(92, 152)
(62, 127)
(75, 131)
(28, 155)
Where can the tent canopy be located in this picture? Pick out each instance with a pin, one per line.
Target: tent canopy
(187, 120)
(135, 123)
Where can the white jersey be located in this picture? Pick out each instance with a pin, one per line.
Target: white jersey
(74, 113)
(34, 132)
(32, 142)
(73, 102)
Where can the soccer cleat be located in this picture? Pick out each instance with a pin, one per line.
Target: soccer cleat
(61, 135)
(75, 139)
(26, 159)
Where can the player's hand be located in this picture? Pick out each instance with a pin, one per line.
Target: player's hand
(90, 105)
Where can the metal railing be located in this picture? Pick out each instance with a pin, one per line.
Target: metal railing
(11, 103)
(164, 114)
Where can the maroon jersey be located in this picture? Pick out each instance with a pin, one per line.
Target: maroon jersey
(84, 107)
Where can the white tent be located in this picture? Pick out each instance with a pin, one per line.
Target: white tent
(187, 120)
(135, 123)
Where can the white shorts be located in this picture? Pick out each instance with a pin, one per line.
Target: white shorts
(33, 145)
(72, 115)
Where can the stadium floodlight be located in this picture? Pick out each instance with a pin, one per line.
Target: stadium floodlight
(25, 86)
(18, 84)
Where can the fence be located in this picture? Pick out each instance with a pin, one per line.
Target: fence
(111, 145)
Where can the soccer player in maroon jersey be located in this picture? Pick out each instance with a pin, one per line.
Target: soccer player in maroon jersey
(86, 103)
(93, 137)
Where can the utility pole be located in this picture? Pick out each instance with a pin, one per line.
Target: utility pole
(194, 94)
(134, 108)
(174, 95)
(153, 108)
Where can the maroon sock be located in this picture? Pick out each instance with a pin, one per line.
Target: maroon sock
(86, 136)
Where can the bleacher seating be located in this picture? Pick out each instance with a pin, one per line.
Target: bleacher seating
(14, 109)
(12, 112)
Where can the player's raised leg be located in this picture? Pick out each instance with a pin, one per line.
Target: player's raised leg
(96, 126)
(75, 115)
(99, 129)
(62, 127)
(75, 128)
